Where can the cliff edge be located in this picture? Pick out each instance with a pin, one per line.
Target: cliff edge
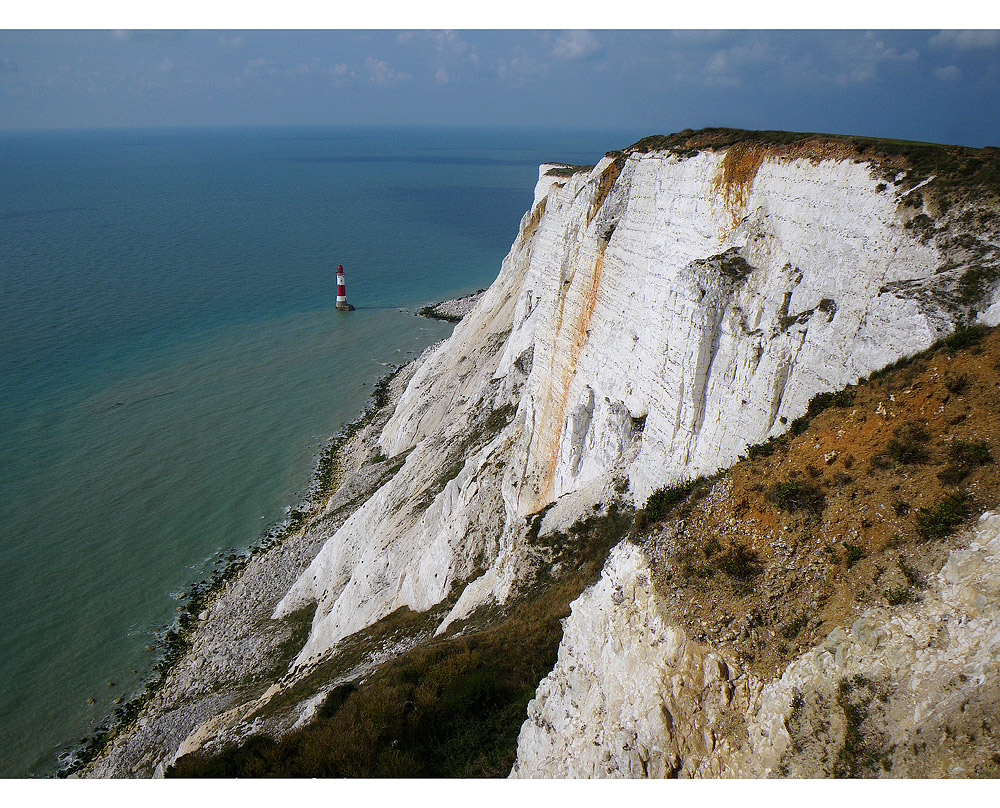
(659, 315)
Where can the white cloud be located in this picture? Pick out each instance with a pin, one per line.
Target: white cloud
(380, 73)
(949, 73)
(862, 57)
(231, 42)
(576, 45)
(442, 77)
(965, 40)
(726, 65)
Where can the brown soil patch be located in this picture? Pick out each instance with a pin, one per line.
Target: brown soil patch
(855, 539)
(604, 186)
(735, 181)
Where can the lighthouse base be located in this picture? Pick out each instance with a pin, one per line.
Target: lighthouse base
(345, 307)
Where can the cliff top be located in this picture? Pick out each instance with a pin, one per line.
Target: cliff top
(956, 168)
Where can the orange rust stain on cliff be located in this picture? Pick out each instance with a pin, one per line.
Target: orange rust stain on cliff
(735, 179)
(604, 186)
(536, 216)
(548, 435)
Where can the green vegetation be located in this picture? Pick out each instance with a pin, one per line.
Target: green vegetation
(793, 495)
(450, 708)
(909, 444)
(966, 456)
(858, 756)
(943, 518)
(823, 401)
(566, 170)
(899, 595)
(738, 562)
(852, 554)
(956, 169)
(663, 500)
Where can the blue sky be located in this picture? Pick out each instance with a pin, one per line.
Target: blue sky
(933, 85)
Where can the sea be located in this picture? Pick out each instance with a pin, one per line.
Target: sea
(171, 360)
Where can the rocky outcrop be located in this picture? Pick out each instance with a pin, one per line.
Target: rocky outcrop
(656, 315)
(912, 691)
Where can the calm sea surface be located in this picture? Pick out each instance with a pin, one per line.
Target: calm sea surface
(171, 360)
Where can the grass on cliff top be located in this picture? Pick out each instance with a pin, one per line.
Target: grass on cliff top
(452, 707)
(956, 167)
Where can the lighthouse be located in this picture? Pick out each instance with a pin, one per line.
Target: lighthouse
(342, 304)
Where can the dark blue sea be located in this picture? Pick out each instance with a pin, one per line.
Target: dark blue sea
(171, 360)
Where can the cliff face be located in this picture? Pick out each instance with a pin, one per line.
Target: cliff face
(632, 695)
(655, 316)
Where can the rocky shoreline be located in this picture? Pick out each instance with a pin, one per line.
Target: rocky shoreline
(225, 650)
(451, 311)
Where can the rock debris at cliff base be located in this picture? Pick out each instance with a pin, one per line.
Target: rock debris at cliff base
(676, 306)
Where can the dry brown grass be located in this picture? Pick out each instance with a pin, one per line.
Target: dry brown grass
(868, 534)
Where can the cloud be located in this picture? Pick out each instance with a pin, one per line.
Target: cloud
(520, 66)
(260, 67)
(231, 42)
(861, 58)
(726, 66)
(575, 46)
(442, 77)
(379, 72)
(965, 40)
(949, 73)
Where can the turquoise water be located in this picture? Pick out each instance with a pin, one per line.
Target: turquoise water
(172, 361)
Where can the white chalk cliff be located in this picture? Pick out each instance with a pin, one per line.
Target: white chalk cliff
(632, 696)
(655, 316)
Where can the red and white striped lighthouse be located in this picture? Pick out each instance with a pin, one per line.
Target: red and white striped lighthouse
(342, 304)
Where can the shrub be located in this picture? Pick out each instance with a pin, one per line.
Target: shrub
(909, 445)
(799, 425)
(957, 384)
(852, 554)
(738, 561)
(662, 501)
(823, 401)
(899, 595)
(965, 456)
(792, 495)
(963, 337)
(971, 453)
(943, 518)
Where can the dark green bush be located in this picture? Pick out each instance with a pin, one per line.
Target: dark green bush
(738, 562)
(909, 445)
(852, 554)
(943, 518)
(662, 501)
(823, 401)
(793, 495)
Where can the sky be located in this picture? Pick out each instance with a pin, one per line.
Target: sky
(921, 84)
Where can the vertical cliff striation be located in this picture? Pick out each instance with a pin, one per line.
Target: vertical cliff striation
(656, 315)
